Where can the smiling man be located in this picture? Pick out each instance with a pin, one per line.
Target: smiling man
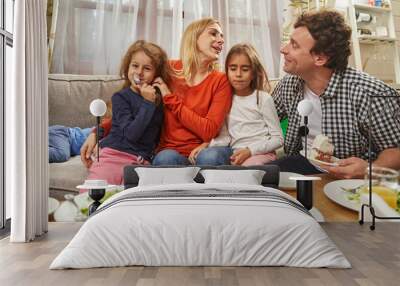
(316, 60)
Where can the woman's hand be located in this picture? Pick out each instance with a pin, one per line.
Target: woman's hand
(158, 82)
(148, 92)
(88, 148)
(193, 155)
(240, 155)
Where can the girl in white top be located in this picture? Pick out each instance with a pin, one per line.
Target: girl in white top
(252, 127)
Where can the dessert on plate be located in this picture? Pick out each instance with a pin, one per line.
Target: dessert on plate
(322, 149)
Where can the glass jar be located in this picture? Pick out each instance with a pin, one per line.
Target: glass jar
(385, 183)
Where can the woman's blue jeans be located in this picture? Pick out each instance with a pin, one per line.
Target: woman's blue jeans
(212, 156)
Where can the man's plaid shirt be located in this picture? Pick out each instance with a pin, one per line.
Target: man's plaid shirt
(345, 114)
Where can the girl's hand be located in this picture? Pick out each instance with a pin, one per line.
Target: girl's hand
(94, 153)
(88, 148)
(162, 86)
(148, 92)
(193, 155)
(135, 85)
(240, 155)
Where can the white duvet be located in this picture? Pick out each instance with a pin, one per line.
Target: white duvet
(183, 231)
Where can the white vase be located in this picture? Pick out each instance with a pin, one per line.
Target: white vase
(67, 211)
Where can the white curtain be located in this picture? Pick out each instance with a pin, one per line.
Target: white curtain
(26, 124)
(91, 36)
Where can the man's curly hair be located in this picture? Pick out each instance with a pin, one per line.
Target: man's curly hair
(331, 35)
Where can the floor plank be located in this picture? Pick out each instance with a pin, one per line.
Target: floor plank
(374, 255)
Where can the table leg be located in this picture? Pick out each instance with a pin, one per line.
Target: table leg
(305, 193)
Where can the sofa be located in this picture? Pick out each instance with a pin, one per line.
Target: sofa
(69, 100)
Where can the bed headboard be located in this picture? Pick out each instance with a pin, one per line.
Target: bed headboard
(270, 179)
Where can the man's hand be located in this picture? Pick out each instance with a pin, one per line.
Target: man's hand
(349, 168)
(240, 155)
(193, 155)
(88, 148)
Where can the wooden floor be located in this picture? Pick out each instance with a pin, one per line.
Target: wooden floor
(374, 255)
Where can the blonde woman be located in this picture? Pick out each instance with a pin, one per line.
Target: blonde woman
(197, 101)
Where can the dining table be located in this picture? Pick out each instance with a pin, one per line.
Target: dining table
(331, 211)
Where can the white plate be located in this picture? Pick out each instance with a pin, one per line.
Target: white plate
(319, 164)
(334, 192)
(285, 182)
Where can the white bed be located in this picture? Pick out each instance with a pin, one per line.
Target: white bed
(223, 225)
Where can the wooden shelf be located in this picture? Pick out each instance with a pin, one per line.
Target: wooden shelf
(372, 8)
(382, 24)
(365, 39)
(396, 87)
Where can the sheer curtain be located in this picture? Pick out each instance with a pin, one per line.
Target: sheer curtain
(27, 120)
(255, 22)
(91, 36)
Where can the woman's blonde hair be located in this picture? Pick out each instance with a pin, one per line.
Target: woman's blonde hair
(158, 56)
(260, 78)
(189, 51)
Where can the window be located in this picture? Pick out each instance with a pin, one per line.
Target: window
(6, 44)
(93, 36)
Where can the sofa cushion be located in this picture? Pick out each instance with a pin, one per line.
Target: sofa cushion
(71, 95)
(66, 176)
